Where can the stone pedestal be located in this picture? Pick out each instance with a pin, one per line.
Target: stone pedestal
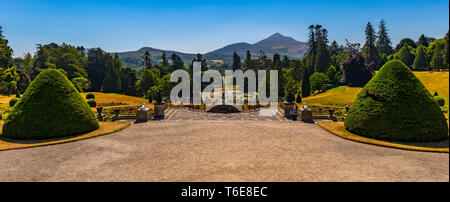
(306, 115)
(287, 107)
(142, 115)
(159, 110)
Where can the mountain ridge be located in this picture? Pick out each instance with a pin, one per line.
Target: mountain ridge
(275, 43)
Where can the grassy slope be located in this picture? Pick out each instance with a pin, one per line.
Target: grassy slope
(108, 98)
(342, 95)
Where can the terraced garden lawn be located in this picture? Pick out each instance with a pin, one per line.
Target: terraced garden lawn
(109, 100)
(342, 95)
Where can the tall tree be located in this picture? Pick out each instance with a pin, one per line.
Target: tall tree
(384, 44)
(5, 51)
(421, 60)
(285, 62)
(111, 83)
(96, 67)
(437, 61)
(369, 46)
(422, 41)
(147, 60)
(146, 81)
(177, 62)
(405, 41)
(405, 55)
(128, 79)
(249, 55)
(446, 53)
(236, 62)
(276, 60)
(305, 83)
(322, 62)
(164, 61)
(312, 46)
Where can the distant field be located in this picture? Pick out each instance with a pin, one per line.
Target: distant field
(342, 95)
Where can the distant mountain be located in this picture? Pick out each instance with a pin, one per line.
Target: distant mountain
(276, 43)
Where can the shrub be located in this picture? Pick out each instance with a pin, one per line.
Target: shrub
(90, 96)
(299, 98)
(318, 80)
(51, 107)
(13, 101)
(395, 105)
(435, 93)
(92, 102)
(440, 100)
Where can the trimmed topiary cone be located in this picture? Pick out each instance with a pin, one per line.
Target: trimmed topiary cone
(395, 105)
(50, 107)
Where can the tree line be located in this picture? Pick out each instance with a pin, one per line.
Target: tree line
(324, 65)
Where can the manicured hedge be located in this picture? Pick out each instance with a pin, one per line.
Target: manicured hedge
(13, 101)
(90, 96)
(51, 107)
(440, 100)
(395, 105)
(92, 102)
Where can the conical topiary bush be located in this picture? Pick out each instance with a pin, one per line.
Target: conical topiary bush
(395, 105)
(51, 107)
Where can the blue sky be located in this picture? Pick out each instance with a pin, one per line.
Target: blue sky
(201, 26)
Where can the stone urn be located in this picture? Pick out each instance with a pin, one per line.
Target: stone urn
(159, 106)
(331, 111)
(306, 114)
(142, 114)
(99, 112)
(116, 112)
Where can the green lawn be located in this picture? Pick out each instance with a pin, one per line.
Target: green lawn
(342, 95)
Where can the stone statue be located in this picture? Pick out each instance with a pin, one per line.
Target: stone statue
(304, 107)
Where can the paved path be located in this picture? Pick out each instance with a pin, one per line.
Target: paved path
(221, 151)
(174, 114)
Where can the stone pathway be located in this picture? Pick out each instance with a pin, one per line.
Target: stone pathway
(182, 114)
(221, 147)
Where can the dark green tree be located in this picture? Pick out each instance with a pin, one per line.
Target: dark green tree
(423, 41)
(369, 46)
(322, 57)
(147, 60)
(5, 51)
(146, 81)
(276, 60)
(405, 55)
(305, 83)
(236, 62)
(111, 83)
(285, 61)
(248, 56)
(421, 60)
(96, 68)
(164, 61)
(405, 41)
(383, 44)
(177, 62)
(128, 79)
(24, 81)
(437, 61)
